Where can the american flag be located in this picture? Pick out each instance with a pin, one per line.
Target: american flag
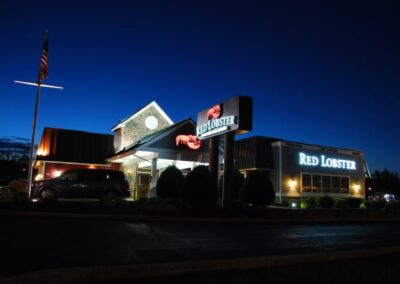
(43, 72)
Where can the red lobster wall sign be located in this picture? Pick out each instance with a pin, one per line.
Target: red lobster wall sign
(190, 140)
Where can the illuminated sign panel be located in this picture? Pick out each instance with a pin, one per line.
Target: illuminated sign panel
(326, 162)
(235, 114)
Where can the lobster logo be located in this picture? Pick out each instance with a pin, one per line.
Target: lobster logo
(214, 112)
(190, 140)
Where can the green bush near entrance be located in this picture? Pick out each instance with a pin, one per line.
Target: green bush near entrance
(200, 189)
(170, 183)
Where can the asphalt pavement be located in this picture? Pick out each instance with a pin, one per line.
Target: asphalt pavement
(32, 244)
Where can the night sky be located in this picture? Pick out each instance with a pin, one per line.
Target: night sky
(320, 72)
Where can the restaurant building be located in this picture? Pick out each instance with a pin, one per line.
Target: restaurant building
(148, 141)
(301, 170)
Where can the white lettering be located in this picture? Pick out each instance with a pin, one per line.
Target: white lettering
(326, 162)
(215, 126)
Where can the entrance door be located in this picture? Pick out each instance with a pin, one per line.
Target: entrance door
(143, 185)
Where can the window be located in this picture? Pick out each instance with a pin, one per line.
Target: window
(325, 183)
(306, 183)
(344, 185)
(71, 176)
(335, 184)
(316, 183)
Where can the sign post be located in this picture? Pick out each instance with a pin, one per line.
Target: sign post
(233, 116)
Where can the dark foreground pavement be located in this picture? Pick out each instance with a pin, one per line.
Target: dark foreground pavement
(82, 245)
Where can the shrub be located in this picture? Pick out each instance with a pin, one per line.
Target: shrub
(238, 180)
(392, 205)
(200, 189)
(365, 204)
(257, 189)
(326, 202)
(353, 202)
(341, 203)
(17, 186)
(170, 183)
(18, 193)
(308, 202)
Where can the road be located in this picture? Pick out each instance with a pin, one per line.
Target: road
(38, 243)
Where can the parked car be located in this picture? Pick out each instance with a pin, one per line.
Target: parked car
(384, 197)
(83, 183)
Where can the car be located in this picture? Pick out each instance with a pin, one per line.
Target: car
(83, 183)
(384, 197)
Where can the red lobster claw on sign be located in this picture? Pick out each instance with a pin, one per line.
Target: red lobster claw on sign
(214, 112)
(190, 140)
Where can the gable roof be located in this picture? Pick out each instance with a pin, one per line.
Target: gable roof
(124, 121)
(164, 142)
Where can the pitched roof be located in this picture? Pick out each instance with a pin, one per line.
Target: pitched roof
(124, 121)
(254, 153)
(73, 146)
(155, 140)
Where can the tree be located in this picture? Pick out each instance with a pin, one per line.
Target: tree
(170, 183)
(385, 181)
(257, 189)
(200, 189)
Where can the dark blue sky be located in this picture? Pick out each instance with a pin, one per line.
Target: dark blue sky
(320, 72)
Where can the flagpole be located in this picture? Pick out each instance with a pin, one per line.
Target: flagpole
(43, 72)
(30, 166)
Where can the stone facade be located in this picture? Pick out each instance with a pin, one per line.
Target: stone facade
(135, 129)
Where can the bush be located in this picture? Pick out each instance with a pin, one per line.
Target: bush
(346, 203)
(200, 189)
(392, 205)
(17, 187)
(18, 193)
(308, 202)
(257, 189)
(353, 202)
(238, 179)
(341, 203)
(326, 202)
(170, 183)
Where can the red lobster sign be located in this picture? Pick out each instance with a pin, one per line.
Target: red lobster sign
(190, 140)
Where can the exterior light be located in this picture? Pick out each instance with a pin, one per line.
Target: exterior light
(57, 173)
(356, 188)
(39, 177)
(292, 184)
(293, 205)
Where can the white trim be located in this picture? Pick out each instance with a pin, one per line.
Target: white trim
(152, 104)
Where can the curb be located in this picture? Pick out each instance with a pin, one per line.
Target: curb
(162, 270)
